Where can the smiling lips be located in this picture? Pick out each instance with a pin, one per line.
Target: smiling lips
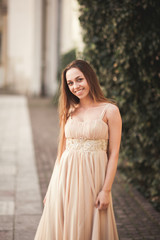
(79, 91)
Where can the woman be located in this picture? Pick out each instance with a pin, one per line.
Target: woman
(78, 203)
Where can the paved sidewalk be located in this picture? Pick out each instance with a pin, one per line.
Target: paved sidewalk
(20, 199)
(136, 219)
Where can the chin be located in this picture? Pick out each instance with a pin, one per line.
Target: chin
(81, 97)
(84, 95)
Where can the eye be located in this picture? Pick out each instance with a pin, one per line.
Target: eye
(69, 83)
(79, 79)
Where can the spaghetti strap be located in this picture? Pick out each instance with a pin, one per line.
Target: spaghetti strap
(104, 110)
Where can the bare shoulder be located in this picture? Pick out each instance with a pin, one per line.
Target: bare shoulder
(113, 112)
(112, 108)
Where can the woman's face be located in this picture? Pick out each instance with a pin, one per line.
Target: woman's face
(77, 83)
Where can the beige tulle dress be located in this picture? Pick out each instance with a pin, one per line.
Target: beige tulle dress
(69, 212)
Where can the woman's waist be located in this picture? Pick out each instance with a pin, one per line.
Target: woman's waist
(87, 145)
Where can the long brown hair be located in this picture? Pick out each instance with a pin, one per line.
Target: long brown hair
(67, 100)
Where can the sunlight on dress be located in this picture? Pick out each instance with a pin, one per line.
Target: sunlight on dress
(69, 212)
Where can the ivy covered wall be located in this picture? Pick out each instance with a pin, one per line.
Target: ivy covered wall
(122, 42)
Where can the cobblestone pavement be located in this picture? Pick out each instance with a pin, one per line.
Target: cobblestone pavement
(135, 217)
(21, 193)
(20, 198)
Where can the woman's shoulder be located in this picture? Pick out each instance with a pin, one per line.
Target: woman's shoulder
(111, 111)
(112, 107)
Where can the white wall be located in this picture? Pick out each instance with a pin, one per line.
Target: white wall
(51, 63)
(76, 28)
(37, 49)
(3, 63)
(71, 32)
(23, 74)
(24, 45)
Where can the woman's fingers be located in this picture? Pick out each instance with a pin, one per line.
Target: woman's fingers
(97, 202)
(102, 200)
(102, 206)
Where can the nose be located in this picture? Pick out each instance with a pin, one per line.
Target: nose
(76, 85)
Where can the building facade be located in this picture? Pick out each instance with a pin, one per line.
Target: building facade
(3, 43)
(33, 35)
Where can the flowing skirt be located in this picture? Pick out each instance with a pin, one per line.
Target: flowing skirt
(69, 212)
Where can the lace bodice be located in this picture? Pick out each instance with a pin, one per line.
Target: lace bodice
(86, 145)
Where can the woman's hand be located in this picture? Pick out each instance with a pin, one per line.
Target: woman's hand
(102, 200)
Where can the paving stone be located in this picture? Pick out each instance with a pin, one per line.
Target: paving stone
(7, 182)
(19, 187)
(28, 196)
(7, 170)
(7, 148)
(6, 235)
(6, 223)
(6, 208)
(7, 157)
(25, 226)
(7, 195)
(31, 207)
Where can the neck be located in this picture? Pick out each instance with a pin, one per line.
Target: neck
(86, 102)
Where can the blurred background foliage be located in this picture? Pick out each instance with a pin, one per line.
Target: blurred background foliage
(122, 43)
(64, 60)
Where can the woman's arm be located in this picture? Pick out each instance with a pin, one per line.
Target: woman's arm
(115, 130)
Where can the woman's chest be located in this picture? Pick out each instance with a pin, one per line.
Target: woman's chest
(91, 129)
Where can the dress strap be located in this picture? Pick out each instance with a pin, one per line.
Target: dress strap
(104, 110)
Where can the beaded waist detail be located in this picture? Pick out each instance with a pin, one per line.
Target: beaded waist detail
(87, 145)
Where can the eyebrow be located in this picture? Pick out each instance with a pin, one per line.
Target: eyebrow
(75, 78)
